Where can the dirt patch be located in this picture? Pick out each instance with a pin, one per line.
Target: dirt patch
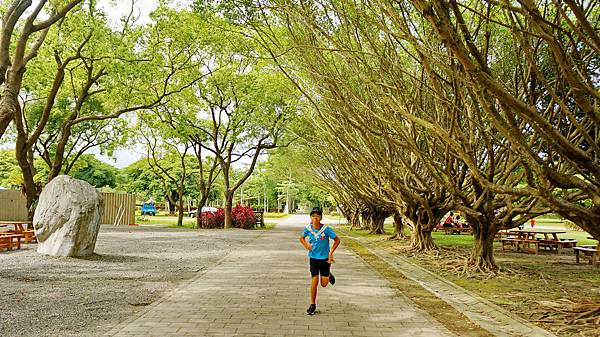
(132, 267)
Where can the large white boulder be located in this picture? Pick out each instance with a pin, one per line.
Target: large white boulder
(67, 217)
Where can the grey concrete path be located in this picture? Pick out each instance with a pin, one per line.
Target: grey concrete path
(262, 289)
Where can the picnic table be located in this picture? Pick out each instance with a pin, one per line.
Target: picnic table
(10, 240)
(502, 232)
(19, 228)
(525, 240)
(454, 229)
(19, 225)
(589, 250)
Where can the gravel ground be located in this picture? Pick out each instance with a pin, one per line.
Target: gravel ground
(133, 267)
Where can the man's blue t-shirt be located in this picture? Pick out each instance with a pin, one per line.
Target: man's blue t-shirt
(319, 238)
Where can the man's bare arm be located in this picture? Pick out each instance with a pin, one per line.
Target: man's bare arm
(307, 246)
(336, 243)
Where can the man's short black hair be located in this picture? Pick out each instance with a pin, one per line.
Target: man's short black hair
(316, 210)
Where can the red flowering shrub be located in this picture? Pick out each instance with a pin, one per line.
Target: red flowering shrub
(242, 217)
(213, 219)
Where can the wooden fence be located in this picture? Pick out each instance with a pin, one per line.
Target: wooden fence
(119, 208)
(13, 206)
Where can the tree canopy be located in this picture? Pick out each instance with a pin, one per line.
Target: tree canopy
(408, 109)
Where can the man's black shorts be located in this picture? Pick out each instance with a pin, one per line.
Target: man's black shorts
(319, 267)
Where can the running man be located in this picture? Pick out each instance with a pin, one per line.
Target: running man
(321, 257)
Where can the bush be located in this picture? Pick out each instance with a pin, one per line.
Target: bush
(242, 217)
(213, 219)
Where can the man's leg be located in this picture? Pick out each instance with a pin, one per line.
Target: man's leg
(325, 273)
(314, 284)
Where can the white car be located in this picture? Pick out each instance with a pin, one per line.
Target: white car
(192, 214)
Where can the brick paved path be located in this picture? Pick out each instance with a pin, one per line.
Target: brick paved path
(262, 290)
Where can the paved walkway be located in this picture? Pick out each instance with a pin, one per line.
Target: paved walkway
(263, 290)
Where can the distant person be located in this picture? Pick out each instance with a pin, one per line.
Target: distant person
(532, 222)
(319, 253)
(449, 222)
(150, 201)
(457, 221)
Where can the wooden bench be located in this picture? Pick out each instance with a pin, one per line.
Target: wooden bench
(9, 241)
(520, 244)
(557, 245)
(455, 230)
(259, 218)
(507, 241)
(28, 235)
(5, 242)
(592, 251)
(503, 233)
(569, 243)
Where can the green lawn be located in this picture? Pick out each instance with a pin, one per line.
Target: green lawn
(334, 218)
(268, 226)
(275, 215)
(164, 220)
(466, 241)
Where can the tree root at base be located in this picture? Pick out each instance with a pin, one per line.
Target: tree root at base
(398, 237)
(572, 317)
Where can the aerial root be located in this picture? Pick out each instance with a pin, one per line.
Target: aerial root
(568, 314)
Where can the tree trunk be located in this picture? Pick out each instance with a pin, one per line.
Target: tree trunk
(365, 219)
(228, 208)
(9, 104)
(59, 154)
(28, 172)
(172, 201)
(172, 206)
(4, 123)
(377, 221)
(421, 239)
(31, 199)
(398, 227)
(353, 218)
(266, 205)
(201, 203)
(482, 255)
(589, 220)
(180, 209)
